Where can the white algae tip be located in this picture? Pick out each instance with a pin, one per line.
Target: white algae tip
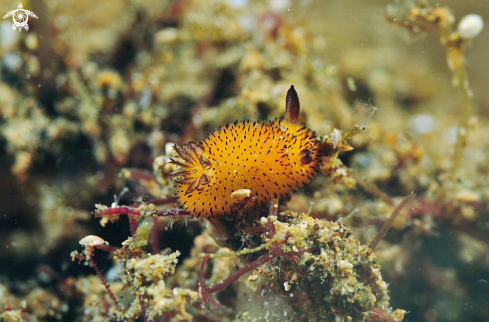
(470, 26)
(91, 240)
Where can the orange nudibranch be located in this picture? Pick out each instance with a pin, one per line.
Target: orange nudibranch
(270, 159)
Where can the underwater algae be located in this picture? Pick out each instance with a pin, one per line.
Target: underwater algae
(335, 267)
(171, 72)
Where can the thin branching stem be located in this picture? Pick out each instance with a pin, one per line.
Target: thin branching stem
(461, 79)
(370, 187)
(119, 210)
(276, 251)
(133, 226)
(126, 210)
(102, 279)
(143, 308)
(390, 221)
(154, 237)
(107, 248)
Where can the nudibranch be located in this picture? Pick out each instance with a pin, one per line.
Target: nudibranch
(264, 159)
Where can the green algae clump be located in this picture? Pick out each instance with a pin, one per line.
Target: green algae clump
(335, 275)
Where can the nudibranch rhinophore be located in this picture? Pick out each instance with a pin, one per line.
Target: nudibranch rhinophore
(268, 158)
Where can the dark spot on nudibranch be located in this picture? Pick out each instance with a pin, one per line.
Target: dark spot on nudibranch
(306, 156)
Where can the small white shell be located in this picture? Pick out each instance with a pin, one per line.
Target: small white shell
(240, 194)
(253, 277)
(287, 286)
(470, 26)
(467, 196)
(91, 240)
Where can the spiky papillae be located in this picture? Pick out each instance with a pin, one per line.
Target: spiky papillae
(271, 159)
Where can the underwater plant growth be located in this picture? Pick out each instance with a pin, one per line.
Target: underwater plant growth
(324, 271)
(132, 106)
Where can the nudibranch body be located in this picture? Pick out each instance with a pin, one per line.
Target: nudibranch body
(268, 159)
